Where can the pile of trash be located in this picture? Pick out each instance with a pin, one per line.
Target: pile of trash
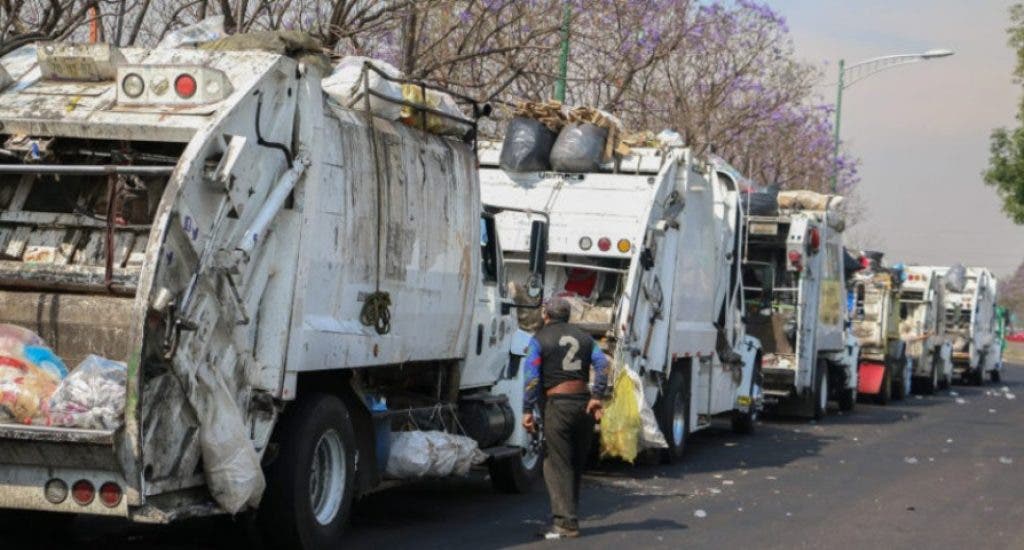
(547, 135)
(347, 88)
(36, 388)
(767, 201)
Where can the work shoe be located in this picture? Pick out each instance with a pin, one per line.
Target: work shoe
(556, 532)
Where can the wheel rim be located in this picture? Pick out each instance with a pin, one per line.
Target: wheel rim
(678, 420)
(327, 477)
(823, 398)
(532, 453)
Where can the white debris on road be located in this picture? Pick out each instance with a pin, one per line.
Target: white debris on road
(910, 459)
(1005, 460)
(960, 401)
(700, 514)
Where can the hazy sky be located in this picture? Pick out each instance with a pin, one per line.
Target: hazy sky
(921, 130)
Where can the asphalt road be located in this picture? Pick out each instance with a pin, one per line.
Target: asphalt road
(941, 471)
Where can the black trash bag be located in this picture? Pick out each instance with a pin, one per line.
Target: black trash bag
(851, 263)
(763, 201)
(527, 146)
(579, 148)
(956, 278)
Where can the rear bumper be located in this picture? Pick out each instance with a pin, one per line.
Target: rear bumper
(23, 487)
(779, 383)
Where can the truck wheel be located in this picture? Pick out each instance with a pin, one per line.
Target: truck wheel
(743, 423)
(310, 484)
(819, 397)
(932, 383)
(976, 377)
(995, 377)
(885, 392)
(673, 412)
(848, 399)
(518, 474)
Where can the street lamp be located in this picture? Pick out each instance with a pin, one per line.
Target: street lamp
(864, 69)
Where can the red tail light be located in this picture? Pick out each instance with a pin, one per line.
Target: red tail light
(604, 244)
(185, 86)
(110, 494)
(795, 259)
(815, 239)
(83, 492)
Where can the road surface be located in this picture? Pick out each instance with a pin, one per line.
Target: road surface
(941, 471)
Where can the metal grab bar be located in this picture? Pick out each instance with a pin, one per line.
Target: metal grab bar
(86, 170)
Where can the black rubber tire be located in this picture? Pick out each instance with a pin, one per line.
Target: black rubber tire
(995, 377)
(511, 476)
(899, 388)
(885, 392)
(743, 423)
(286, 513)
(931, 384)
(976, 377)
(34, 529)
(820, 373)
(847, 400)
(676, 387)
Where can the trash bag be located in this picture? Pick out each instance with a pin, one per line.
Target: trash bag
(579, 148)
(230, 462)
(807, 200)
(92, 396)
(763, 202)
(527, 146)
(417, 454)
(345, 84)
(29, 374)
(621, 422)
(298, 45)
(956, 278)
(211, 28)
(435, 100)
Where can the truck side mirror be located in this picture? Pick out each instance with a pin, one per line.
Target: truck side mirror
(538, 257)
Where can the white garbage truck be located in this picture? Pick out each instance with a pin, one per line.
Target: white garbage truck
(794, 281)
(970, 311)
(647, 249)
(287, 279)
(924, 329)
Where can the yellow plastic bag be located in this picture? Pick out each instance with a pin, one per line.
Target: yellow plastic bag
(435, 100)
(621, 424)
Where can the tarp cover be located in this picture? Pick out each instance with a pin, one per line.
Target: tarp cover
(295, 44)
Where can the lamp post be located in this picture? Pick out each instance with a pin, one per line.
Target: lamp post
(860, 71)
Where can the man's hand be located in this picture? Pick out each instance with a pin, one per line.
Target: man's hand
(528, 423)
(596, 408)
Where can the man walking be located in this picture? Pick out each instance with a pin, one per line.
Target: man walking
(558, 363)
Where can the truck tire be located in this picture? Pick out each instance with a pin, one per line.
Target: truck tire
(976, 377)
(819, 396)
(743, 423)
(517, 474)
(311, 483)
(931, 384)
(848, 399)
(994, 376)
(673, 413)
(885, 392)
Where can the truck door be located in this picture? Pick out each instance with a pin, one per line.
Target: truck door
(487, 358)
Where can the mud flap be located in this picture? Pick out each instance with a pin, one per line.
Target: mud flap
(870, 377)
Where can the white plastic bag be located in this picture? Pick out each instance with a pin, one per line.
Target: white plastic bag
(92, 396)
(345, 84)
(419, 454)
(211, 28)
(230, 462)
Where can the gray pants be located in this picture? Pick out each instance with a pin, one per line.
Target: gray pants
(568, 433)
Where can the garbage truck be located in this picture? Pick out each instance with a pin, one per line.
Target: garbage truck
(794, 282)
(646, 248)
(288, 279)
(924, 329)
(884, 368)
(970, 311)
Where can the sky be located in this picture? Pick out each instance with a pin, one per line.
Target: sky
(921, 131)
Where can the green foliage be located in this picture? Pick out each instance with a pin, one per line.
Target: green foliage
(1006, 161)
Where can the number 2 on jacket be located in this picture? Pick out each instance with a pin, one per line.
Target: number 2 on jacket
(569, 361)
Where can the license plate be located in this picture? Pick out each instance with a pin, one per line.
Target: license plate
(761, 228)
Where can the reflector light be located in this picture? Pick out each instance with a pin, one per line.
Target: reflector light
(56, 491)
(624, 245)
(133, 85)
(795, 260)
(586, 243)
(815, 239)
(160, 85)
(110, 494)
(83, 492)
(185, 86)
(604, 244)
